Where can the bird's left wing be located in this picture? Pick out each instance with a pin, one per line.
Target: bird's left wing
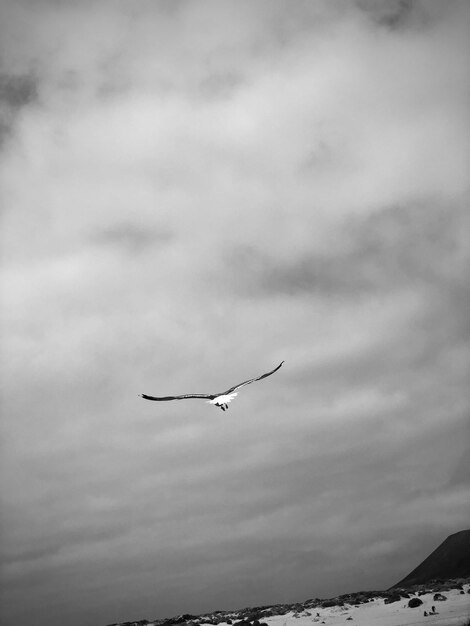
(253, 380)
(184, 397)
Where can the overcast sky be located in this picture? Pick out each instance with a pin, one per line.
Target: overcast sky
(192, 192)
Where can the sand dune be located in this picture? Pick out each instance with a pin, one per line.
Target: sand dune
(454, 611)
(360, 609)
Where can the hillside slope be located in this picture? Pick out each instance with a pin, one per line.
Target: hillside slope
(450, 560)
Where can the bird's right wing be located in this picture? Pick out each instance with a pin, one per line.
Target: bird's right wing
(184, 397)
(253, 380)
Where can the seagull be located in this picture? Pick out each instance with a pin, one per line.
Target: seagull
(221, 400)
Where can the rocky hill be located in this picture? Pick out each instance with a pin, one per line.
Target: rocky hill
(450, 560)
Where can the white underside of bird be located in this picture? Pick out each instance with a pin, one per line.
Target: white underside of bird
(223, 399)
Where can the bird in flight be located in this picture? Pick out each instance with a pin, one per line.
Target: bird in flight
(218, 399)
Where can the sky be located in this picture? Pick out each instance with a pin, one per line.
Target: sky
(193, 191)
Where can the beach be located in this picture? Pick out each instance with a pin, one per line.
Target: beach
(454, 611)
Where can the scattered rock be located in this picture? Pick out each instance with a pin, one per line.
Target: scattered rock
(186, 617)
(327, 603)
(254, 616)
(438, 597)
(394, 597)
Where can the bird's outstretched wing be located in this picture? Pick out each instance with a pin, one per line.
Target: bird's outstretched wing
(207, 396)
(189, 395)
(253, 380)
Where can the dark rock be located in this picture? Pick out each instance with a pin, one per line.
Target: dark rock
(327, 603)
(250, 617)
(438, 597)
(393, 597)
(282, 610)
(414, 602)
(179, 619)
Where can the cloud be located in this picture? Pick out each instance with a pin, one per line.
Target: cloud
(391, 15)
(131, 237)
(16, 92)
(199, 192)
(459, 475)
(396, 248)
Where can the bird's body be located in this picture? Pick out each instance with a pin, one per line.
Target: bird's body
(221, 400)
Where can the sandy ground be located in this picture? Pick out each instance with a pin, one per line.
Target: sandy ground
(455, 611)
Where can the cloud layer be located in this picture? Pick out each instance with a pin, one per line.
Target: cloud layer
(192, 192)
